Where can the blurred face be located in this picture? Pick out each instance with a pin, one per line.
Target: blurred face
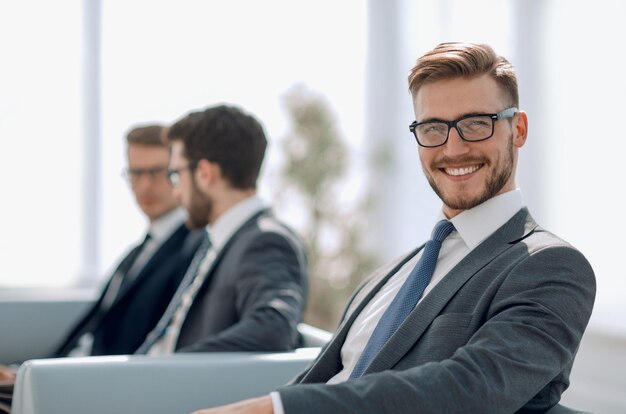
(197, 204)
(466, 174)
(147, 170)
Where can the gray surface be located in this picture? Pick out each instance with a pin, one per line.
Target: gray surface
(598, 380)
(138, 384)
(36, 323)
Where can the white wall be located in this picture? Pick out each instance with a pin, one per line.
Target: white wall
(586, 142)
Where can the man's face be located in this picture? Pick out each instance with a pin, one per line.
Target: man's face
(466, 174)
(197, 204)
(147, 168)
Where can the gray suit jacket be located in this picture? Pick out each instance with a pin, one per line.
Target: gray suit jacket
(497, 335)
(254, 294)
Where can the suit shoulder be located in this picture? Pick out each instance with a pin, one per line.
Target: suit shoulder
(265, 225)
(548, 251)
(266, 229)
(541, 239)
(269, 224)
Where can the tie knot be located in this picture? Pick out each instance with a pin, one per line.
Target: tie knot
(442, 230)
(205, 244)
(208, 242)
(146, 239)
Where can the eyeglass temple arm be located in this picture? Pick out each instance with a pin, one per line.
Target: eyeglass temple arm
(507, 113)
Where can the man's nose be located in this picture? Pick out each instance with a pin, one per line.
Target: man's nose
(455, 145)
(143, 180)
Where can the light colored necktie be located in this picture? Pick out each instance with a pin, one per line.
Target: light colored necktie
(406, 298)
(190, 275)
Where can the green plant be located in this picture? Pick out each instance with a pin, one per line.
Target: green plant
(313, 178)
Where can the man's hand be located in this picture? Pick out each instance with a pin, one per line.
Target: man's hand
(6, 374)
(261, 405)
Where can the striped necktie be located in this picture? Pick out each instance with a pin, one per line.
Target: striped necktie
(161, 327)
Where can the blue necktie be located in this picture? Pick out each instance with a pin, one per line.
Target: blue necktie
(406, 299)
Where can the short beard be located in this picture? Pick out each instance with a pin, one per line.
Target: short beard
(494, 184)
(200, 208)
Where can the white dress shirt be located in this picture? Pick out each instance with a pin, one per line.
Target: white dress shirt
(472, 227)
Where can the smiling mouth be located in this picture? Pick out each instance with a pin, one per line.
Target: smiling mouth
(457, 172)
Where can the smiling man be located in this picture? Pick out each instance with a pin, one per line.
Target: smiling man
(486, 317)
(465, 175)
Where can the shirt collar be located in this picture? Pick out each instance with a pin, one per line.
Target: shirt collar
(161, 228)
(229, 222)
(478, 223)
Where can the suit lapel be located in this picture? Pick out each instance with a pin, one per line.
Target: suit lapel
(214, 266)
(218, 258)
(157, 259)
(93, 318)
(517, 228)
(329, 361)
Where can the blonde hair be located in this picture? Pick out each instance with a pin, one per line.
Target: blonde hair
(453, 59)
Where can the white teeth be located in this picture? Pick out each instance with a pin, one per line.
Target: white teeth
(461, 171)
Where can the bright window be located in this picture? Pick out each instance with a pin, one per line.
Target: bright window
(40, 121)
(163, 59)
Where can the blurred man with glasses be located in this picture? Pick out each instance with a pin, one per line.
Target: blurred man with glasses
(487, 316)
(144, 282)
(246, 289)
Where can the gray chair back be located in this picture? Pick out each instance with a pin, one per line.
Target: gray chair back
(561, 409)
(313, 337)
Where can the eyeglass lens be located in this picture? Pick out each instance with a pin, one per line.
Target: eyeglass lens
(134, 174)
(473, 128)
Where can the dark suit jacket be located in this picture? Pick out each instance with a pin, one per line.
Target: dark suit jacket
(254, 294)
(497, 335)
(138, 307)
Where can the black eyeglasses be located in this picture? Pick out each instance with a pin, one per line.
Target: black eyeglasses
(174, 175)
(154, 173)
(471, 128)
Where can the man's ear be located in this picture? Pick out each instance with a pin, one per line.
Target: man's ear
(520, 124)
(207, 173)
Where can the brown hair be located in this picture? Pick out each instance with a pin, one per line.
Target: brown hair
(151, 135)
(226, 136)
(452, 60)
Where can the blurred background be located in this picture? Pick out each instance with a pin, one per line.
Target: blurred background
(328, 81)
